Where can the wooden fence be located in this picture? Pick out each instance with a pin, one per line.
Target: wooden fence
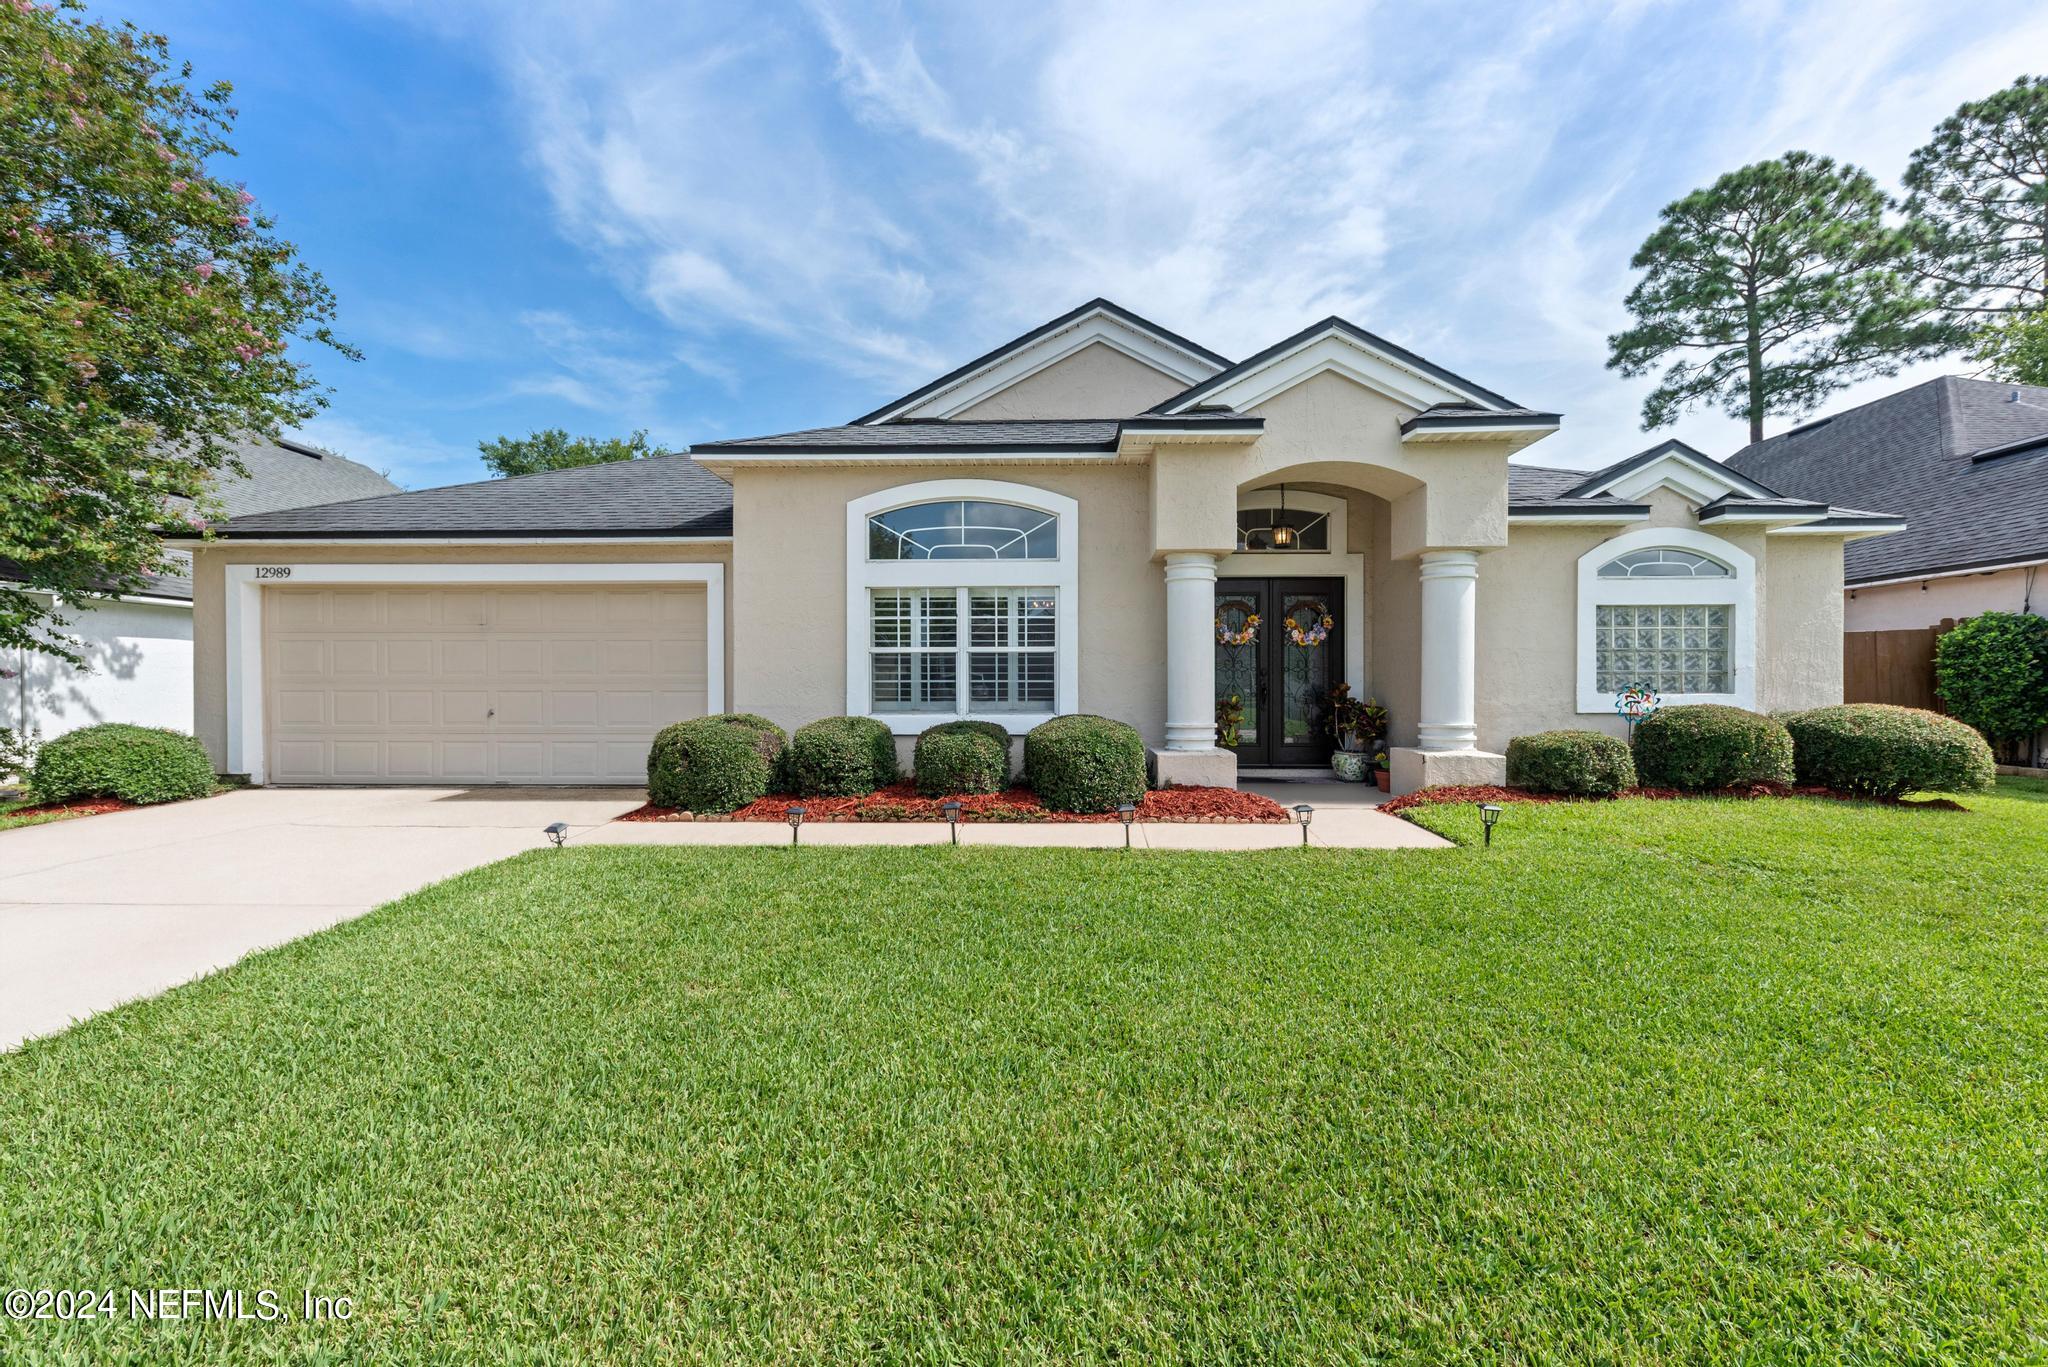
(1891, 666)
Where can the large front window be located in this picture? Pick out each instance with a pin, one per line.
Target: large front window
(961, 603)
(919, 655)
(1673, 648)
(1669, 609)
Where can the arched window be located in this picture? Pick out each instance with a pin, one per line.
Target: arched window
(1670, 609)
(1665, 562)
(960, 602)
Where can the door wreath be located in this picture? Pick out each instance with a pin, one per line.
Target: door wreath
(1242, 636)
(1310, 636)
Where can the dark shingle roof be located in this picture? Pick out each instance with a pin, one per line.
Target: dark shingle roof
(1930, 453)
(1352, 330)
(933, 436)
(1450, 416)
(657, 496)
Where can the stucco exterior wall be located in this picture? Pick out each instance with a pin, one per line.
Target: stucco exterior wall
(1901, 607)
(1098, 381)
(140, 658)
(1394, 588)
(789, 576)
(209, 597)
(1528, 623)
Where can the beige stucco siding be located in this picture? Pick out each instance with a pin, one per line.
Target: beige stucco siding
(209, 596)
(789, 600)
(1098, 381)
(1799, 649)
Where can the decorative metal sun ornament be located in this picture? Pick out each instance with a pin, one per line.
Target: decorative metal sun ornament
(1634, 703)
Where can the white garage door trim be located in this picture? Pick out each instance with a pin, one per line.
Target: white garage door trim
(245, 585)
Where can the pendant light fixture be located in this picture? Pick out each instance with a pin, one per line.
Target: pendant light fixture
(1283, 533)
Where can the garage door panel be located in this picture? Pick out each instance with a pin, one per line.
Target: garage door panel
(422, 685)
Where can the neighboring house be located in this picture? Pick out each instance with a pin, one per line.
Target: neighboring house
(139, 646)
(1968, 459)
(1085, 519)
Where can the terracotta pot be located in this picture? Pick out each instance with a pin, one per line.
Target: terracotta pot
(1350, 766)
(1379, 778)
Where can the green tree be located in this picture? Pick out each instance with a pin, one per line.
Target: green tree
(2015, 347)
(1992, 673)
(1977, 205)
(1769, 290)
(145, 307)
(554, 449)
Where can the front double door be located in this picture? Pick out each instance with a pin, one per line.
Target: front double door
(1279, 652)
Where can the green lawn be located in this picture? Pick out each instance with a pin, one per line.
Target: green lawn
(1760, 1081)
(11, 814)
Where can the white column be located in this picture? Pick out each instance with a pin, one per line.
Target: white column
(1190, 651)
(1450, 651)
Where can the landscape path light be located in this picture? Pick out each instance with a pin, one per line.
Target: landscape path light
(557, 831)
(1127, 812)
(1304, 814)
(1488, 814)
(951, 807)
(796, 821)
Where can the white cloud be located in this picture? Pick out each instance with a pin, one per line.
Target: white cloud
(409, 458)
(886, 189)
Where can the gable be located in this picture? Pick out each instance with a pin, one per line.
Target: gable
(1691, 474)
(1090, 335)
(1335, 346)
(1098, 381)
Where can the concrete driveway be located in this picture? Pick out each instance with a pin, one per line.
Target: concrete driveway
(98, 910)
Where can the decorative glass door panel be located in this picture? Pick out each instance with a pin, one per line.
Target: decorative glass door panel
(1279, 652)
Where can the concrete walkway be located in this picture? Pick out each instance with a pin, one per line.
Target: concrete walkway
(103, 909)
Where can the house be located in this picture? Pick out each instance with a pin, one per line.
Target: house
(1099, 515)
(139, 645)
(1969, 458)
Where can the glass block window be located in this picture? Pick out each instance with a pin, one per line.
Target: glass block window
(963, 529)
(918, 653)
(1665, 562)
(1673, 649)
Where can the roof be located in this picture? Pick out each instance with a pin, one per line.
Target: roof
(655, 496)
(276, 473)
(1332, 324)
(1966, 460)
(940, 436)
(1453, 416)
(1067, 319)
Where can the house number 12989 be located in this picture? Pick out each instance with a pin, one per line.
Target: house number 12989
(273, 571)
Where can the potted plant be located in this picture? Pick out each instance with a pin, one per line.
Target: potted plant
(1354, 725)
(1229, 719)
(1379, 771)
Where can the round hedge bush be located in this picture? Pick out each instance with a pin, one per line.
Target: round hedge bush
(1703, 746)
(1084, 764)
(1877, 750)
(139, 764)
(962, 757)
(840, 757)
(1992, 673)
(1579, 763)
(714, 764)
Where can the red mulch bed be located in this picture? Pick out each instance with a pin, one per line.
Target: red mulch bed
(1431, 797)
(89, 807)
(901, 802)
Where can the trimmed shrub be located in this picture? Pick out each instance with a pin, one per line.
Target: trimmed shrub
(140, 764)
(1579, 763)
(1084, 764)
(1877, 750)
(1992, 673)
(714, 764)
(1706, 745)
(962, 757)
(840, 757)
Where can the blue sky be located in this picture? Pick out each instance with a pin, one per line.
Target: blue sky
(715, 221)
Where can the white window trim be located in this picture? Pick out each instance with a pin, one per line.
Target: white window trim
(245, 738)
(1738, 594)
(1061, 574)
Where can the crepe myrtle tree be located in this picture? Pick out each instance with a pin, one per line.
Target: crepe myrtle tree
(1977, 207)
(1769, 290)
(145, 308)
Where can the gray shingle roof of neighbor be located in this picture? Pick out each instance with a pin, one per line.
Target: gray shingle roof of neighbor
(654, 496)
(1965, 461)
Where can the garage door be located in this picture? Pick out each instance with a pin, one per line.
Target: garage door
(510, 685)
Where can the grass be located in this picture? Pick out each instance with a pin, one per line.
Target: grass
(1649, 1082)
(18, 812)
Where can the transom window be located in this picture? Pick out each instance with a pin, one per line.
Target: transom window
(919, 655)
(1665, 562)
(1255, 529)
(963, 529)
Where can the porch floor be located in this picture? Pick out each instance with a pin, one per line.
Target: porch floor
(1321, 792)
